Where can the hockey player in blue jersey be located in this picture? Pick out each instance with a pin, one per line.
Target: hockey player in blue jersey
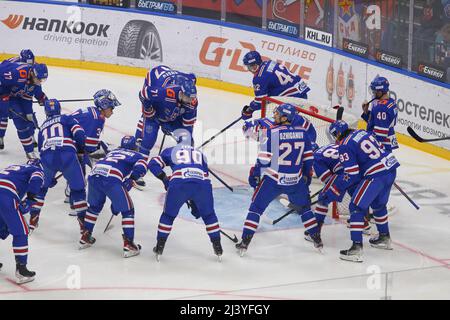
(13, 80)
(16, 182)
(60, 139)
(21, 110)
(361, 155)
(112, 177)
(271, 79)
(297, 121)
(382, 118)
(284, 161)
(25, 56)
(170, 108)
(326, 167)
(18, 106)
(92, 120)
(157, 78)
(190, 183)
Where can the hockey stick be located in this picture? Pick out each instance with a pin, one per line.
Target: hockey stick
(339, 113)
(290, 212)
(162, 144)
(406, 196)
(420, 139)
(224, 129)
(235, 239)
(25, 119)
(71, 100)
(109, 222)
(223, 182)
(212, 172)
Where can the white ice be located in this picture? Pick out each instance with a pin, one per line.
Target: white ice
(279, 264)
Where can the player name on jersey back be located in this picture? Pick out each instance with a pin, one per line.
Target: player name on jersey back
(291, 135)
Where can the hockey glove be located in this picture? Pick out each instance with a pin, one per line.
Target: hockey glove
(25, 207)
(165, 180)
(31, 197)
(246, 113)
(128, 184)
(328, 196)
(254, 176)
(42, 99)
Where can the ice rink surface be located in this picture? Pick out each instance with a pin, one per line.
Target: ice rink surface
(279, 264)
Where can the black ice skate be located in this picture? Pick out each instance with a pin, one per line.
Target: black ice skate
(2, 144)
(87, 240)
(1, 265)
(218, 251)
(158, 250)
(382, 241)
(317, 241)
(24, 275)
(243, 245)
(130, 249)
(353, 254)
(308, 236)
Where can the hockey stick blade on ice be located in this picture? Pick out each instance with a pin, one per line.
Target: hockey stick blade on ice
(420, 139)
(290, 212)
(235, 239)
(406, 196)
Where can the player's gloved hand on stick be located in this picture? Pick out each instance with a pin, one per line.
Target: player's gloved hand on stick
(247, 112)
(25, 207)
(307, 179)
(165, 180)
(166, 129)
(128, 184)
(327, 196)
(29, 117)
(254, 176)
(31, 196)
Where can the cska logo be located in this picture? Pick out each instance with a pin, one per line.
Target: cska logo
(13, 21)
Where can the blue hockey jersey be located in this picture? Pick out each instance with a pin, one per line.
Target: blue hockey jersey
(285, 154)
(165, 106)
(361, 155)
(274, 79)
(20, 179)
(381, 122)
(92, 122)
(326, 162)
(187, 163)
(119, 164)
(62, 133)
(13, 78)
(162, 76)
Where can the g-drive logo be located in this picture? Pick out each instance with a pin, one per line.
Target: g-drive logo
(13, 21)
